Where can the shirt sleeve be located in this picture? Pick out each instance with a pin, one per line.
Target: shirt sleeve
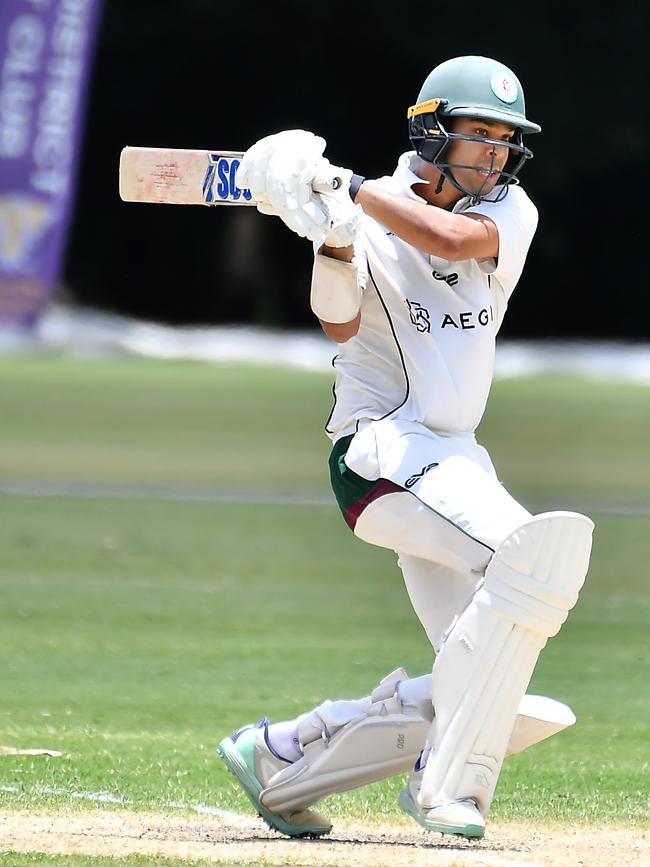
(516, 220)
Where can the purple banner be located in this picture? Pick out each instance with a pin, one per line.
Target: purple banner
(46, 50)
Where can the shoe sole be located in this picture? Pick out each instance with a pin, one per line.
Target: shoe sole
(232, 759)
(471, 832)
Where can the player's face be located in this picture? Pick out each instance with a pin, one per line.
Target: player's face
(484, 160)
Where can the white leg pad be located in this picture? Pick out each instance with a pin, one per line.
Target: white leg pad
(381, 743)
(384, 741)
(486, 663)
(538, 717)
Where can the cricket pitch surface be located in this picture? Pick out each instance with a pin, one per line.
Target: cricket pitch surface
(242, 838)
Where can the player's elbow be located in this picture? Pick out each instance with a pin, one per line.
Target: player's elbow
(452, 245)
(444, 247)
(469, 237)
(460, 248)
(461, 237)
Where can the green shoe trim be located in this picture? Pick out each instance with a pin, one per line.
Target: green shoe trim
(239, 759)
(409, 806)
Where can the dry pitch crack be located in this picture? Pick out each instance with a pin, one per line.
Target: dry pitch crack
(168, 835)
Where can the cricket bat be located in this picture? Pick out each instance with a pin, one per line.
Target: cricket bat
(188, 177)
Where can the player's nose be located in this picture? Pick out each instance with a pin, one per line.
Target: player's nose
(496, 151)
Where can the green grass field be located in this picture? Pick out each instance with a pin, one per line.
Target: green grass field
(136, 633)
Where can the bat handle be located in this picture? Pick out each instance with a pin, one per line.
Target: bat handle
(326, 185)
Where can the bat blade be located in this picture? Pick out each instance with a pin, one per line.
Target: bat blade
(177, 176)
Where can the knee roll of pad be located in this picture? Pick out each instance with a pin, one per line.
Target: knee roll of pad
(535, 576)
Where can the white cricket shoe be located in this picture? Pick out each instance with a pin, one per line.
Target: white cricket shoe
(250, 757)
(457, 817)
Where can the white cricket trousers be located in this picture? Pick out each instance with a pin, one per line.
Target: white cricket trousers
(446, 521)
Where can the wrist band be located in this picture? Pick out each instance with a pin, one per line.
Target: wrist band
(355, 185)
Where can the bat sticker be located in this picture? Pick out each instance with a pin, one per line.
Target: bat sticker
(219, 182)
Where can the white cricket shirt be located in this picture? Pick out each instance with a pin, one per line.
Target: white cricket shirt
(425, 347)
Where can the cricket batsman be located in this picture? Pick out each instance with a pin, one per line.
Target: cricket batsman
(412, 276)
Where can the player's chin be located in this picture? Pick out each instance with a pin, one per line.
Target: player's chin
(479, 181)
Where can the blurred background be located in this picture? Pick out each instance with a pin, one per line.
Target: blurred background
(172, 563)
(203, 75)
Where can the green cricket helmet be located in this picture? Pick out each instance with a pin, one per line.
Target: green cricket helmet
(470, 87)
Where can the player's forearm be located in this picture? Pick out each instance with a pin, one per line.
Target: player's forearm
(340, 332)
(426, 227)
(343, 254)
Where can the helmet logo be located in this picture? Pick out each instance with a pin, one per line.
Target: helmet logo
(504, 87)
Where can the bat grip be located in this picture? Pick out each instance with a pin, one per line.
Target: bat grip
(326, 185)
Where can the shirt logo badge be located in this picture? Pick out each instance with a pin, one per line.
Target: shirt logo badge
(469, 319)
(449, 279)
(419, 316)
(504, 87)
(417, 476)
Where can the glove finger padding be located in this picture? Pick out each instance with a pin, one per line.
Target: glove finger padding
(345, 224)
(308, 221)
(252, 172)
(343, 215)
(291, 169)
(280, 170)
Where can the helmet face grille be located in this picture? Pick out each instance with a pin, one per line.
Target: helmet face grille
(432, 141)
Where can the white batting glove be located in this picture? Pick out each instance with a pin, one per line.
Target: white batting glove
(279, 170)
(344, 216)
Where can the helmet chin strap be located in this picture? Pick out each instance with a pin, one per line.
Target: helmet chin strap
(446, 174)
(449, 177)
